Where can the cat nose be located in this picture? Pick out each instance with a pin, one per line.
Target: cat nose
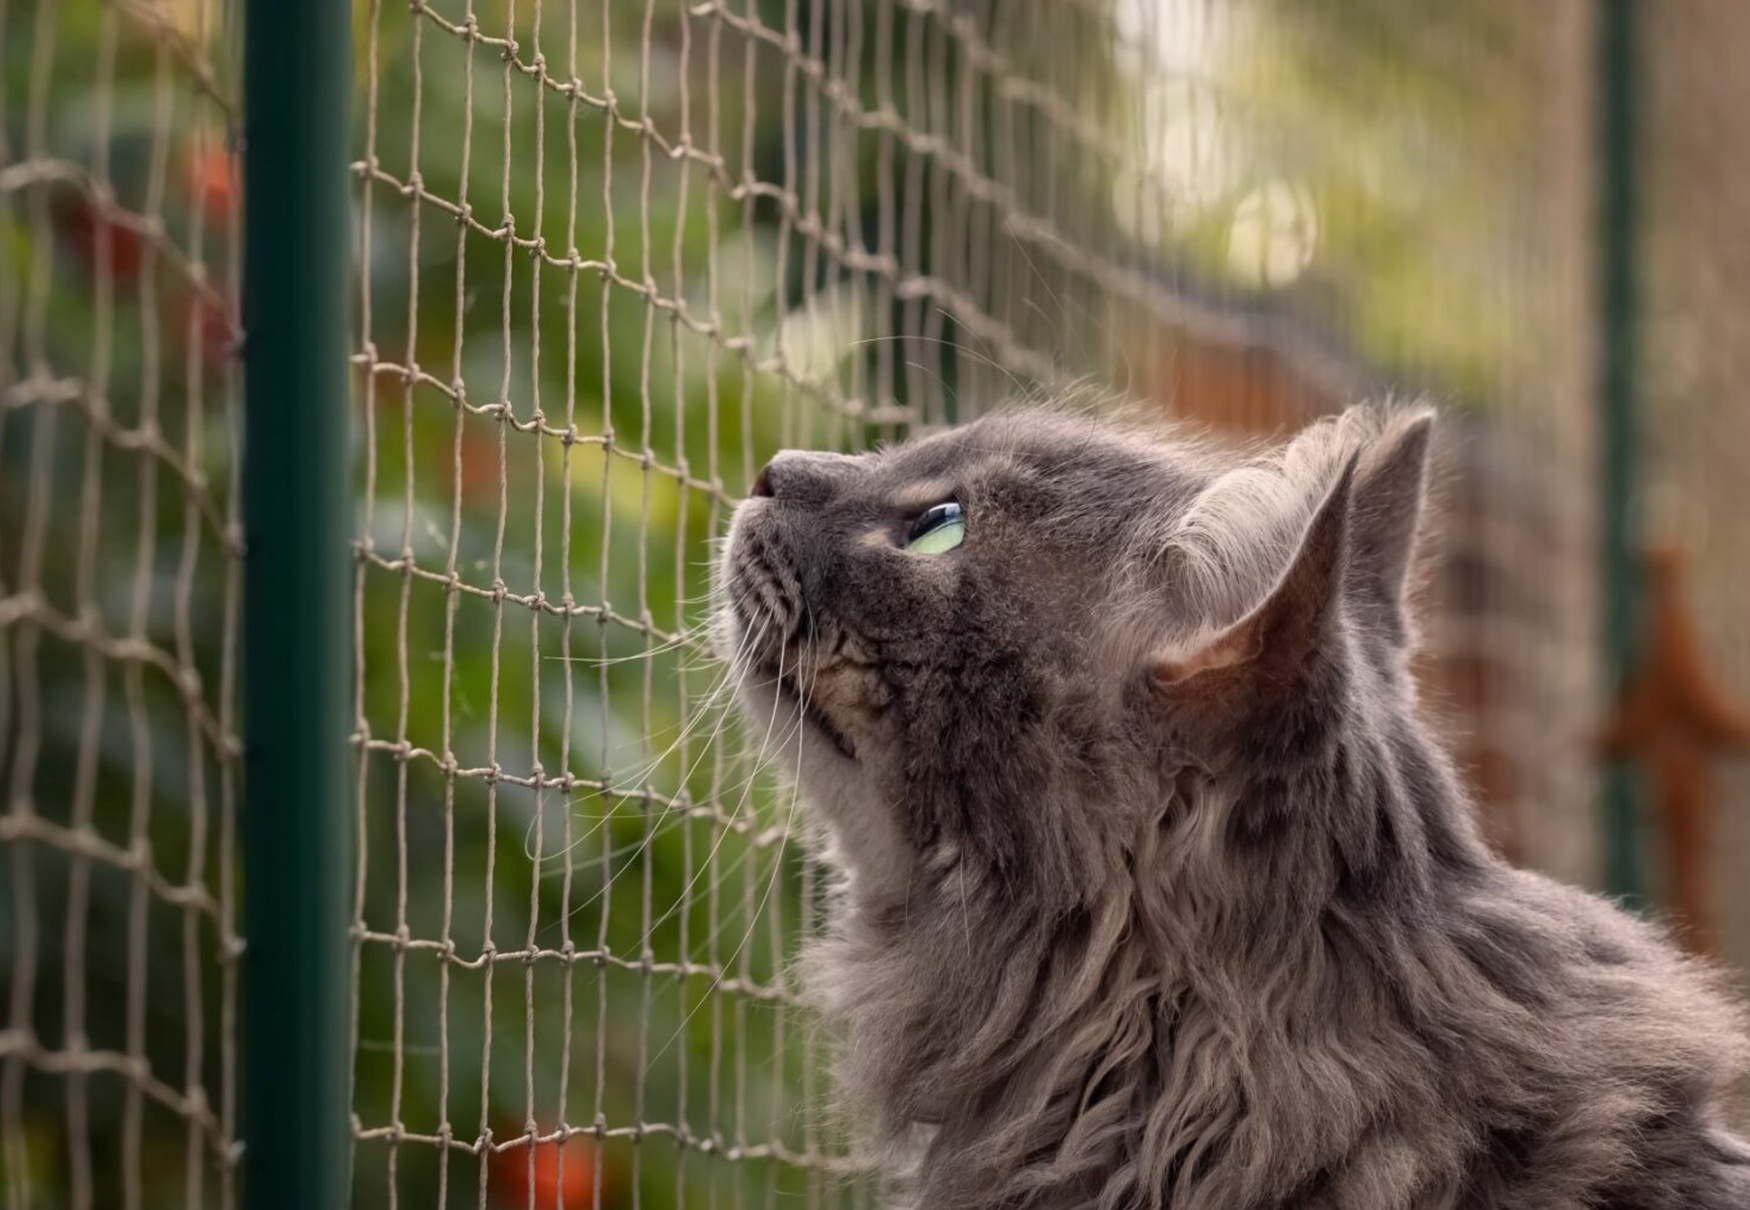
(805, 477)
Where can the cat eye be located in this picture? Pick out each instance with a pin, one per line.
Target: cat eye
(940, 529)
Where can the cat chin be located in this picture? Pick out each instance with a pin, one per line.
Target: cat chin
(790, 730)
(815, 720)
(863, 838)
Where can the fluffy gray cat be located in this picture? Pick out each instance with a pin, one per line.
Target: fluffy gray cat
(1156, 893)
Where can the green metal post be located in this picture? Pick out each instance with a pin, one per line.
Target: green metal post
(297, 866)
(1619, 305)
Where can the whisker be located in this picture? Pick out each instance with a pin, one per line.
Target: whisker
(653, 829)
(747, 935)
(690, 637)
(636, 786)
(804, 697)
(762, 761)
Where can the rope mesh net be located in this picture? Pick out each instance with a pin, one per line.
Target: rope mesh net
(119, 606)
(1696, 429)
(612, 255)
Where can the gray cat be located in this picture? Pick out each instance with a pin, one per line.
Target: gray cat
(1155, 891)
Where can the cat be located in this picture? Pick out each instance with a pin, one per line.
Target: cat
(1155, 892)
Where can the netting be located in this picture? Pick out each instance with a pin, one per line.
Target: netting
(119, 557)
(617, 254)
(613, 254)
(1696, 425)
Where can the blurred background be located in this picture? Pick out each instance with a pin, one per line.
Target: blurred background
(611, 255)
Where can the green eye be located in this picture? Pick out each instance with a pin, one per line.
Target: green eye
(941, 529)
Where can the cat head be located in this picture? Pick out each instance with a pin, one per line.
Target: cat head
(994, 650)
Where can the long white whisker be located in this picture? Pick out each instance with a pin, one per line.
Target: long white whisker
(762, 760)
(615, 795)
(692, 636)
(804, 697)
(772, 881)
(725, 683)
(653, 829)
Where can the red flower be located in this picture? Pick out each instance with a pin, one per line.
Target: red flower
(211, 180)
(85, 228)
(554, 1175)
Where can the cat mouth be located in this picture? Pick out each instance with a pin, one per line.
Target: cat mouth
(787, 690)
(765, 601)
(766, 605)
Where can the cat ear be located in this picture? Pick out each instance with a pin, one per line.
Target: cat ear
(1270, 645)
(1386, 518)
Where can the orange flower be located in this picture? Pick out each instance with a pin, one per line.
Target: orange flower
(556, 1174)
(211, 180)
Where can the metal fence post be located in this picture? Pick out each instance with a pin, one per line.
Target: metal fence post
(1618, 300)
(297, 472)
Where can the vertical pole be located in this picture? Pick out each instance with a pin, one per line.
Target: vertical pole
(297, 65)
(1618, 297)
